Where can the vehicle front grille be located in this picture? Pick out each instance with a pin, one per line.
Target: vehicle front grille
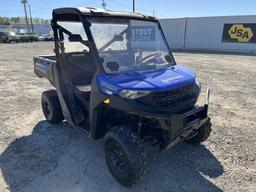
(174, 97)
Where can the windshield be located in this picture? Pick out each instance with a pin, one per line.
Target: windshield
(128, 44)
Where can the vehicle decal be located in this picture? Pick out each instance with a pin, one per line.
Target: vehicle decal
(142, 33)
(109, 86)
(171, 79)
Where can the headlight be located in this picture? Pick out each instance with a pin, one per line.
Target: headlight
(133, 94)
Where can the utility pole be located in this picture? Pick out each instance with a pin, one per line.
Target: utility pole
(133, 6)
(26, 15)
(31, 19)
(104, 4)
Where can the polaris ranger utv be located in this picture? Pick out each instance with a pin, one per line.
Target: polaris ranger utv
(115, 77)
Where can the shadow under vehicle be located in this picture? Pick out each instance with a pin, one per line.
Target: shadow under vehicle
(115, 77)
(57, 158)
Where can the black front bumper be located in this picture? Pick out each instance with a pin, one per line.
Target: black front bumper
(181, 126)
(184, 125)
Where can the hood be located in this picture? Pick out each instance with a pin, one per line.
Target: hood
(157, 80)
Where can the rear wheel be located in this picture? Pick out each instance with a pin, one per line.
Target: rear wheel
(203, 133)
(125, 156)
(51, 107)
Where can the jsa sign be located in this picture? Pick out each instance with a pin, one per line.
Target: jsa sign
(239, 33)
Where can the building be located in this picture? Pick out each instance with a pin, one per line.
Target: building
(22, 28)
(225, 34)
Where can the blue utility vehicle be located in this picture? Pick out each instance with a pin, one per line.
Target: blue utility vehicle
(115, 78)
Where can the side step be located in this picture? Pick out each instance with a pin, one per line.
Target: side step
(84, 127)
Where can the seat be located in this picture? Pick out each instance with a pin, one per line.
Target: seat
(84, 88)
(83, 92)
(82, 67)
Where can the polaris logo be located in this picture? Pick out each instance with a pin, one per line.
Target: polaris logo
(109, 86)
(171, 79)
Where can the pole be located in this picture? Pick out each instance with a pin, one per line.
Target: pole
(31, 20)
(26, 15)
(185, 33)
(133, 6)
(104, 4)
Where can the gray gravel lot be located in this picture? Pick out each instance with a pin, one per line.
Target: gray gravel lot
(36, 156)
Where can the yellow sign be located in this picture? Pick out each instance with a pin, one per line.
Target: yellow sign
(240, 33)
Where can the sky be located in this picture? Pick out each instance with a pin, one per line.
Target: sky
(161, 8)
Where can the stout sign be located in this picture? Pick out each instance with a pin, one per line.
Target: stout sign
(142, 33)
(239, 33)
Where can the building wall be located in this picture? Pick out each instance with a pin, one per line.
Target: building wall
(174, 30)
(22, 28)
(205, 33)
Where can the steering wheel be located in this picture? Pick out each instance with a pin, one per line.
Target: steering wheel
(154, 55)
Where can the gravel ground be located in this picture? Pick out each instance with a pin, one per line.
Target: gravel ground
(36, 156)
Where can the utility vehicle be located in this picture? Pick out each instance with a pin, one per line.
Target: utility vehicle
(46, 37)
(115, 78)
(8, 37)
(28, 37)
(3, 37)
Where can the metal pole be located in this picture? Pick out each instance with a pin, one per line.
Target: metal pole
(104, 4)
(133, 6)
(185, 33)
(26, 16)
(31, 20)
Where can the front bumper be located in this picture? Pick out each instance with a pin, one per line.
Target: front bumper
(182, 126)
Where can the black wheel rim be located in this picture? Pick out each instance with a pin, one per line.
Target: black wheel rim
(46, 108)
(117, 158)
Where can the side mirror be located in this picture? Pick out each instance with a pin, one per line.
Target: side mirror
(75, 38)
(113, 66)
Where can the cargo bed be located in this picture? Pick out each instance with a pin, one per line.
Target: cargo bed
(43, 67)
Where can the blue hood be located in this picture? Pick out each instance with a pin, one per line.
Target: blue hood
(157, 80)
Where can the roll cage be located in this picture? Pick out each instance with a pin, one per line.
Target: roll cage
(82, 15)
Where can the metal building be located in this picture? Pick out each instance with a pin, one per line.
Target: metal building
(229, 33)
(22, 28)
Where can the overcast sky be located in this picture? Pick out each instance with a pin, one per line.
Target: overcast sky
(162, 8)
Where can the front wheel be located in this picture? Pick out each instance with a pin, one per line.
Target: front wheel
(125, 156)
(203, 133)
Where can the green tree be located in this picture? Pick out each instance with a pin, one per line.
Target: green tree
(15, 20)
(37, 20)
(4, 20)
